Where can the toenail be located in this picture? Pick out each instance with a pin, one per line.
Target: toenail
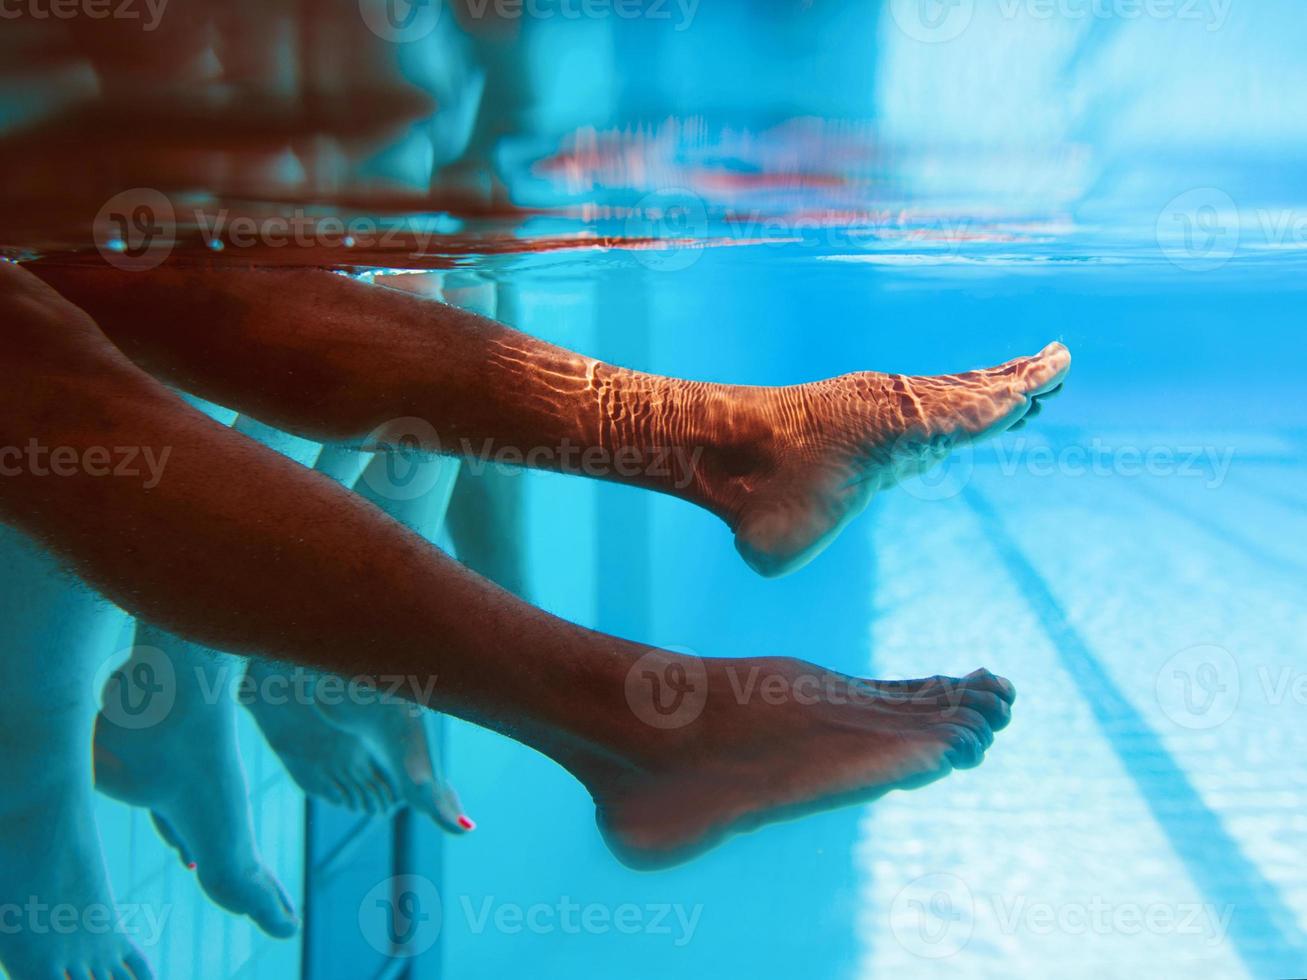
(466, 822)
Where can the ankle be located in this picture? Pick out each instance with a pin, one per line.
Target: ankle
(723, 441)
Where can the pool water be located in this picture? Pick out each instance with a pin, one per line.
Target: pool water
(1132, 559)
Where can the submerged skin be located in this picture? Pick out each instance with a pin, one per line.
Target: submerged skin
(186, 769)
(367, 755)
(296, 584)
(56, 634)
(398, 734)
(340, 360)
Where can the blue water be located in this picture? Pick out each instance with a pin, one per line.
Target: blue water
(1132, 559)
(1115, 827)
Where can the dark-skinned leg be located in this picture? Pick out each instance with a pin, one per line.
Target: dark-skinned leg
(332, 358)
(237, 548)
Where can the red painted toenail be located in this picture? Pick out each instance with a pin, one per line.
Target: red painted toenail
(466, 822)
(190, 865)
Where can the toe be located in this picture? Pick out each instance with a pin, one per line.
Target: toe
(996, 712)
(271, 908)
(962, 746)
(973, 721)
(376, 791)
(1012, 386)
(384, 787)
(440, 805)
(366, 801)
(254, 892)
(1045, 370)
(449, 813)
(985, 680)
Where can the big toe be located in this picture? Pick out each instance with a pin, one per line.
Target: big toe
(1039, 373)
(254, 892)
(986, 680)
(1003, 397)
(443, 807)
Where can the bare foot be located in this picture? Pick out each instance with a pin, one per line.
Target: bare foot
(325, 761)
(776, 738)
(52, 864)
(832, 445)
(58, 916)
(397, 735)
(187, 770)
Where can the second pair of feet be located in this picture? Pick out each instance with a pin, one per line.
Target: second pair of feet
(187, 771)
